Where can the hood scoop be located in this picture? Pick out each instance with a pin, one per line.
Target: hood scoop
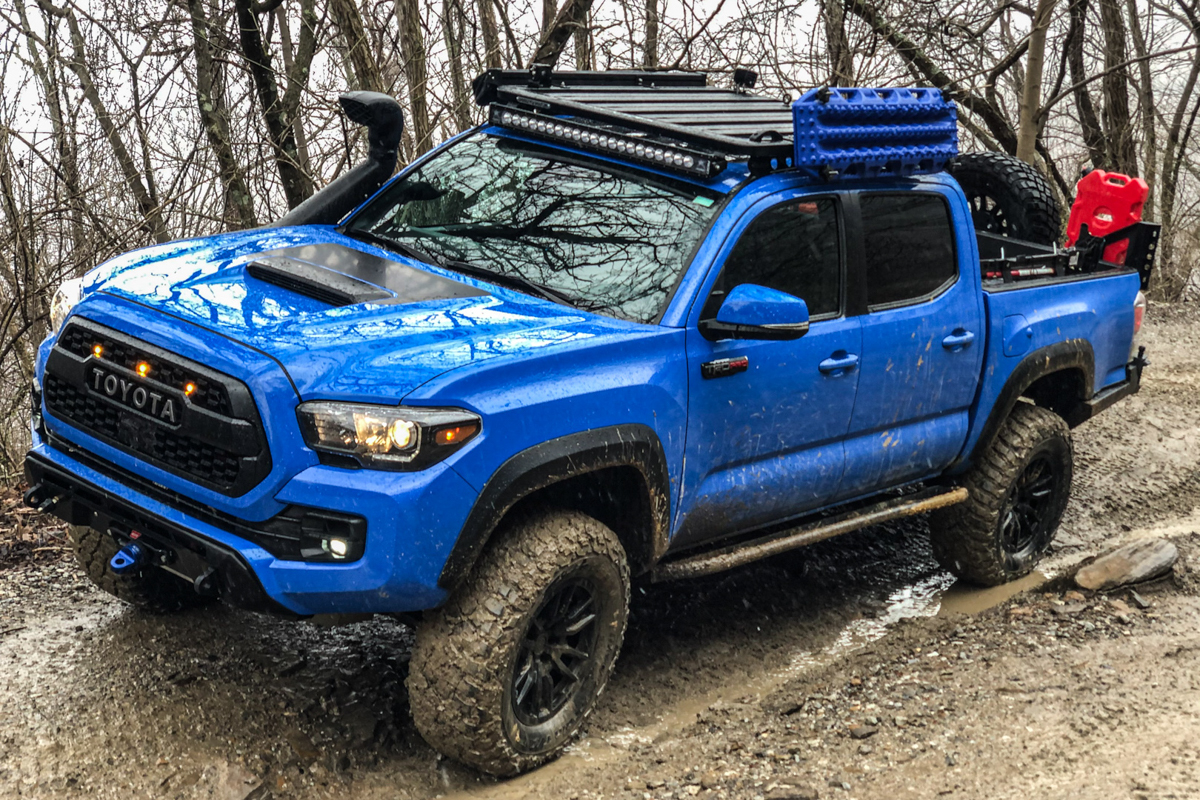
(341, 276)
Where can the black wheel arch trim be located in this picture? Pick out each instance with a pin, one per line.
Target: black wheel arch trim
(1058, 357)
(543, 465)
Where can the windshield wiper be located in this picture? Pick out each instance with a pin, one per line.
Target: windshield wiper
(391, 244)
(511, 281)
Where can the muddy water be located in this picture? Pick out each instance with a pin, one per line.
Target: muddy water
(938, 594)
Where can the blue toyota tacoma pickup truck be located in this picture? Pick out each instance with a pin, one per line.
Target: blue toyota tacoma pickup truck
(632, 325)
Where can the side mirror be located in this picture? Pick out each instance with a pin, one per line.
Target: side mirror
(756, 312)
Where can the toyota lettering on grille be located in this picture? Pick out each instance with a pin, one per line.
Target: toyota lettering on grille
(132, 394)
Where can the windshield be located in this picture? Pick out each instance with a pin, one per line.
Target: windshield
(606, 240)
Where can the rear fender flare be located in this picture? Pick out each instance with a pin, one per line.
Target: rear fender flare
(1066, 355)
(556, 460)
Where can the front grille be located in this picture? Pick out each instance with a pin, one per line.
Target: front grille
(197, 459)
(217, 439)
(79, 341)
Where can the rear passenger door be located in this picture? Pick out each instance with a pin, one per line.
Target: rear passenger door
(923, 341)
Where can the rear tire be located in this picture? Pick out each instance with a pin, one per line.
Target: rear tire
(150, 590)
(1008, 197)
(490, 680)
(1019, 489)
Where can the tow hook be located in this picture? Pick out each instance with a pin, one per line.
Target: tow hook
(128, 558)
(34, 499)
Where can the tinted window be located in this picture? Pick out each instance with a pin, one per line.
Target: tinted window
(909, 246)
(794, 247)
(613, 241)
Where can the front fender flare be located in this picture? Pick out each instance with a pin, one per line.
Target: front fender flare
(540, 466)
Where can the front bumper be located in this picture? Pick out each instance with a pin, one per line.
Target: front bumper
(412, 522)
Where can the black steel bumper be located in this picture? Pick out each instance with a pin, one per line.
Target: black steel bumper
(212, 568)
(1110, 395)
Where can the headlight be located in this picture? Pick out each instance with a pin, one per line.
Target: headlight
(66, 296)
(386, 437)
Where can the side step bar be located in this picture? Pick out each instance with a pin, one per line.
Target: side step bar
(773, 544)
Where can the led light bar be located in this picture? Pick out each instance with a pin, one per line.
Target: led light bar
(665, 156)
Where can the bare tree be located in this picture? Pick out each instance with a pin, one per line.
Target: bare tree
(154, 223)
(1031, 95)
(214, 118)
(279, 111)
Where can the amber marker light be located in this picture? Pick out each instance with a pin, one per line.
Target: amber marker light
(190, 389)
(143, 369)
(98, 350)
(456, 435)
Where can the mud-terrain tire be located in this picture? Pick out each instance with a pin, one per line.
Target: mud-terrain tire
(150, 590)
(1008, 197)
(475, 682)
(1019, 489)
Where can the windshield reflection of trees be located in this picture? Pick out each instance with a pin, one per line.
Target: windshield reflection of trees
(613, 241)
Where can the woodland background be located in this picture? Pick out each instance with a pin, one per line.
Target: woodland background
(126, 124)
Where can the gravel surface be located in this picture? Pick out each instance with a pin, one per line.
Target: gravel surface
(789, 678)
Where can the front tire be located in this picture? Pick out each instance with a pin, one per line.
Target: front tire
(504, 674)
(1019, 490)
(150, 590)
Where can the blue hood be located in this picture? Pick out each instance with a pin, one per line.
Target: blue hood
(380, 350)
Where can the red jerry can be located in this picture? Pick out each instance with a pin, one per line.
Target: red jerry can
(1107, 202)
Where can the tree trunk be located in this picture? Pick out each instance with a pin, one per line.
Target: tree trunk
(412, 51)
(297, 187)
(650, 49)
(583, 42)
(1115, 83)
(566, 22)
(841, 61)
(214, 118)
(358, 47)
(153, 222)
(1146, 106)
(453, 26)
(1031, 92)
(491, 35)
(1173, 155)
(1089, 122)
(289, 65)
(45, 71)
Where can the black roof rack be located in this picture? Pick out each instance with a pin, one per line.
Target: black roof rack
(674, 115)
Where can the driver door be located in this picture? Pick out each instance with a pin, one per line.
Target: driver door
(764, 437)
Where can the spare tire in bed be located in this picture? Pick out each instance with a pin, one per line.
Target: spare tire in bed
(1008, 197)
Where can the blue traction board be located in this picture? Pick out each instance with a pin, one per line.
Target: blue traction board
(865, 133)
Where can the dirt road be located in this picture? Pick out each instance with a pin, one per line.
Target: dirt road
(742, 685)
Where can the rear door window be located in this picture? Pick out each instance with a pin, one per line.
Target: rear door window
(909, 248)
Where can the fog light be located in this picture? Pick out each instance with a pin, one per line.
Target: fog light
(335, 547)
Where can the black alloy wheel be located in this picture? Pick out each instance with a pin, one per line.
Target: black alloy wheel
(987, 214)
(1026, 517)
(555, 652)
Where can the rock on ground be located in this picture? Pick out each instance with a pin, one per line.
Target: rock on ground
(1133, 563)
